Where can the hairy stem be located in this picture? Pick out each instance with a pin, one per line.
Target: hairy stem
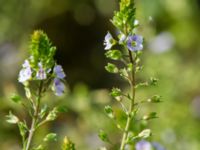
(35, 117)
(131, 107)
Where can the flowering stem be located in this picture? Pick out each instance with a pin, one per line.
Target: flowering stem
(131, 108)
(35, 117)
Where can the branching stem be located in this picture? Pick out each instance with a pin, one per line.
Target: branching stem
(35, 117)
(131, 108)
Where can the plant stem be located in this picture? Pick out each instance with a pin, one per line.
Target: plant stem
(131, 108)
(35, 117)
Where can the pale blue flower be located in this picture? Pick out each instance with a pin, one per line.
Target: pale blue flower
(143, 145)
(25, 73)
(157, 146)
(135, 42)
(41, 74)
(108, 41)
(58, 70)
(58, 87)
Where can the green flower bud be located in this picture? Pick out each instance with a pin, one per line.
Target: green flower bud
(41, 50)
(68, 144)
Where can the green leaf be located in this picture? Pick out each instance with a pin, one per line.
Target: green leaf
(111, 68)
(116, 92)
(40, 147)
(103, 136)
(16, 98)
(10, 118)
(50, 137)
(152, 115)
(153, 81)
(43, 111)
(22, 128)
(108, 110)
(155, 99)
(139, 85)
(62, 109)
(145, 133)
(27, 92)
(52, 114)
(138, 68)
(130, 67)
(114, 54)
(123, 73)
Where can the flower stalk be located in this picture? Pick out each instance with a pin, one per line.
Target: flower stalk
(35, 117)
(126, 51)
(131, 106)
(39, 73)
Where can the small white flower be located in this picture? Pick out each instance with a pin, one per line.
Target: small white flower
(25, 73)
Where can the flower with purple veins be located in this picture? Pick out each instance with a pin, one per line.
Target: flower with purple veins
(25, 73)
(143, 145)
(108, 41)
(58, 87)
(58, 70)
(134, 42)
(41, 74)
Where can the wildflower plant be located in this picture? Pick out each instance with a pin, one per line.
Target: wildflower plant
(124, 53)
(40, 72)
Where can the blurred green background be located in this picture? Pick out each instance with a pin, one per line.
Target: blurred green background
(77, 28)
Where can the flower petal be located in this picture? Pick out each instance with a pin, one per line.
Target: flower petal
(58, 70)
(58, 87)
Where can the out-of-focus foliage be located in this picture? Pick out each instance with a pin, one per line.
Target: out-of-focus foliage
(172, 34)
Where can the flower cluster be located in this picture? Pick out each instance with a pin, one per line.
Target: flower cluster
(39, 73)
(40, 67)
(132, 42)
